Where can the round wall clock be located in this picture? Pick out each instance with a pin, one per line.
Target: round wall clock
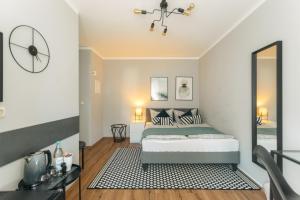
(29, 49)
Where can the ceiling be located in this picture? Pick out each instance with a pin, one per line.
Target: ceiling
(111, 28)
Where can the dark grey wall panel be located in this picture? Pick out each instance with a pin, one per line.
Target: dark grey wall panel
(18, 143)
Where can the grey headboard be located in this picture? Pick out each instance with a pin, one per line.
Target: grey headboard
(148, 115)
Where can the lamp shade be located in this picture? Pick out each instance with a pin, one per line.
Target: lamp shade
(138, 111)
(263, 111)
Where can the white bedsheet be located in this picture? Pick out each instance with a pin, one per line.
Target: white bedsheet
(190, 145)
(151, 125)
(175, 125)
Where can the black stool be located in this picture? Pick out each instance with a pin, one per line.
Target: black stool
(82, 146)
(119, 132)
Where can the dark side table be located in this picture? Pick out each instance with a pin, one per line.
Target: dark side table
(57, 182)
(119, 132)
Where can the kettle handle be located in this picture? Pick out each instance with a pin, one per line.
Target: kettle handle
(49, 158)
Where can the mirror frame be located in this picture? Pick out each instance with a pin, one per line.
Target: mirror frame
(278, 45)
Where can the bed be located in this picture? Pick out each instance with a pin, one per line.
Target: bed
(187, 144)
(267, 135)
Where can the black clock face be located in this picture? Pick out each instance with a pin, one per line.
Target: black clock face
(29, 49)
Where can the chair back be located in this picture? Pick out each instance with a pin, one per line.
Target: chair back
(280, 188)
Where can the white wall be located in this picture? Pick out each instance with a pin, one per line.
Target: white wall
(91, 75)
(127, 83)
(32, 99)
(225, 79)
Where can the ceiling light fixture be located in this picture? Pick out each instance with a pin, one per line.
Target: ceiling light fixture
(164, 13)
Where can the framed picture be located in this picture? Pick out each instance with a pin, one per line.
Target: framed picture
(184, 88)
(159, 88)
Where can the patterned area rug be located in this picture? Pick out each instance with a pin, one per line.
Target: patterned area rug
(124, 171)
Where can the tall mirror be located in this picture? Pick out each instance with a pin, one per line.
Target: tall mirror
(267, 98)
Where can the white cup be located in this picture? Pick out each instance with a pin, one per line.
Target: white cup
(69, 161)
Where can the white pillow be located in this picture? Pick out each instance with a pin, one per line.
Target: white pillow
(210, 136)
(194, 111)
(153, 113)
(166, 137)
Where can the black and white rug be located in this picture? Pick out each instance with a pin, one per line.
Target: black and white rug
(124, 171)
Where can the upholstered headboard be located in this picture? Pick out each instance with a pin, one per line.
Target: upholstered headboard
(148, 115)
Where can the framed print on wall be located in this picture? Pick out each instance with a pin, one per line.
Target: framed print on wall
(159, 88)
(184, 88)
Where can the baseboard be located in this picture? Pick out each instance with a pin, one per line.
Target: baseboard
(103, 138)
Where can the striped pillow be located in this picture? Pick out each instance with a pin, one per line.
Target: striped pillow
(186, 120)
(178, 114)
(197, 119)
(162, 121)
(161, 113)
(155, 120)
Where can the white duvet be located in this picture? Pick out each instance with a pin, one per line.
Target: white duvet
(166, 137)
(190, 143)
(211, 136)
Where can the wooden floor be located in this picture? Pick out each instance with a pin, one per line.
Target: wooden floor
(96, 157)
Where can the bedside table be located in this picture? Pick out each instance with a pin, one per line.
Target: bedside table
(136, 130)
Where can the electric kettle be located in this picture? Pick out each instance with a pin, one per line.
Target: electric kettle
(36, 165)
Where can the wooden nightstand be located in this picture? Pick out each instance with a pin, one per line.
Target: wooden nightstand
(136, 130)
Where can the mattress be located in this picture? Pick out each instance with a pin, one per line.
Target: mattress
(190, 145)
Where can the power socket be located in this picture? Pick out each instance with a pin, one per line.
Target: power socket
(2, 112)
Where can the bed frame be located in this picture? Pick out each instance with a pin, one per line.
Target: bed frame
(232, 158)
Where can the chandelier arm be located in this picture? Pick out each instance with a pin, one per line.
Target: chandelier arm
(161, 17)
(163, 20)
(153, 11)
(168, 13)
(177, 13)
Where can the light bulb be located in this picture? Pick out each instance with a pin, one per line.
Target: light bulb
(152, 26)
(165, 32)
(137, 11)
(187, 13)
(191, 6)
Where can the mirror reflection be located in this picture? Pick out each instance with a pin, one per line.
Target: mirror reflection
(266, 95)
